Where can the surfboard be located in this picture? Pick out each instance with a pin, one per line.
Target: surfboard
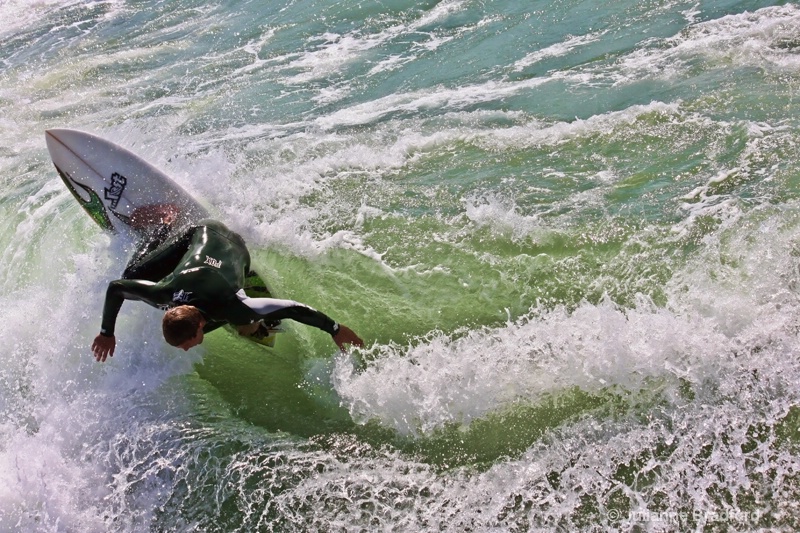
(114, 186)
(111, 182)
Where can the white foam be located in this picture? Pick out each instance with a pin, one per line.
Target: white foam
(456, 379)
(336, 51)
(63, 401)
(758, 39)
(560, 49)
(726, 314)
(55, 400)
(19, 14)
(502, 215)
(420, 101)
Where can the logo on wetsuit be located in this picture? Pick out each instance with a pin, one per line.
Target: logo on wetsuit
(114, 193)
(181, 297)
(213, 262)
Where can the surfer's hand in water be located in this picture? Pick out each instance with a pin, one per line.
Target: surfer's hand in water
(103, 347)
(346, 335)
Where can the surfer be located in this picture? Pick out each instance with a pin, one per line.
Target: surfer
(198, 278)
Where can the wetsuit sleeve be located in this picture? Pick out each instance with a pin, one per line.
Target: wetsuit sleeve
(275, 309)
(127, 289)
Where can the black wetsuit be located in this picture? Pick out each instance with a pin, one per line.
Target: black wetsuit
(205, 267)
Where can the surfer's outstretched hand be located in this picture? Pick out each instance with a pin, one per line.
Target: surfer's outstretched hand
(346, 335)
(103, 347)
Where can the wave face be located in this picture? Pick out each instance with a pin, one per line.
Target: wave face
(568, 231)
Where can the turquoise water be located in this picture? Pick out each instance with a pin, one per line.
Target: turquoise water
(569, 233)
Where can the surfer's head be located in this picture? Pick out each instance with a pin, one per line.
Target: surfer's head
(183, 326)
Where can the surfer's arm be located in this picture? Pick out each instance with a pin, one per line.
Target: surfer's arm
(270, 309)
(118, 291)
(125, 289)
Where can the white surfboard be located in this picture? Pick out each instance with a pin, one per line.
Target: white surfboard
(111, 182)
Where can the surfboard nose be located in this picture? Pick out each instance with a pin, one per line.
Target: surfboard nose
(51, 139)
(55, 136)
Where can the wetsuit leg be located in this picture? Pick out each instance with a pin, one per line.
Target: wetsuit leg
(236, 239)
(147, 243)
(155, 259)
(253, 284)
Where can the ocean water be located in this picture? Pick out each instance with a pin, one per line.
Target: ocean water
(569, 233)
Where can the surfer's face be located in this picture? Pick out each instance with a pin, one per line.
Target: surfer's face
(194, 341)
